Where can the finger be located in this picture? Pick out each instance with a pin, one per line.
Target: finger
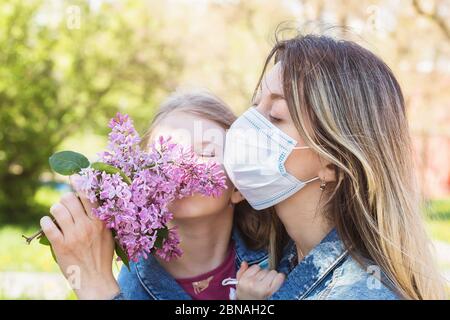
(261, 275)
(242, 269)
(51, 231)
(254, 269)
(268, 278)
(74, 206)
(277, 282)
(62, 216)
(87, 204)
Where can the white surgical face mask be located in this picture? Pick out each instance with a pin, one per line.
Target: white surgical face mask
(255, 153)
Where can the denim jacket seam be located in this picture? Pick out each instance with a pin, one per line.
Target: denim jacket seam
(255, 261)
(258, 260)
(325, 294)
(144, 285)
(318, 281)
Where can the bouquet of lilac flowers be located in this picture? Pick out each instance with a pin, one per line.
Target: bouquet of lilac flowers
(133, 188)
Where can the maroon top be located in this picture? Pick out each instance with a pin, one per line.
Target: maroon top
(208, 286)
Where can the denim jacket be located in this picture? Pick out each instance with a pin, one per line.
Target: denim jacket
(147, 279)
(329, 272)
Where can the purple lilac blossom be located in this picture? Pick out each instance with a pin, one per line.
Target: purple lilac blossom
(163, 173)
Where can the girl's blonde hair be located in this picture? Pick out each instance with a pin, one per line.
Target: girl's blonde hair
(349, 108)
(254, 226)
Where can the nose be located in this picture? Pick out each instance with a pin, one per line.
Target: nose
(264, 108)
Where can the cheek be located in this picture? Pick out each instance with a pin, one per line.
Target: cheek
(280, 110)
(302, 164)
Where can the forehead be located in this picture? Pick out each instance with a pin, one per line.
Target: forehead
(187, 128)
(272, 81)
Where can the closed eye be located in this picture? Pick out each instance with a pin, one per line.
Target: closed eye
(273, 119)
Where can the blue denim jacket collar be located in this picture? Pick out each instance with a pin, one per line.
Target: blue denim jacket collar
(160, 285)
(307, 274)
(243, 253)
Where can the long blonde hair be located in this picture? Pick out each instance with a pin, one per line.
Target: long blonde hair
(349, 108)
(254, 225)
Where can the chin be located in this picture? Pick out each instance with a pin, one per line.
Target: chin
(195, 207)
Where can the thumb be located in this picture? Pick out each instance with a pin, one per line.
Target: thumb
(242, 269)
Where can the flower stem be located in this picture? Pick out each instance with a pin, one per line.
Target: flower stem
(32, 237)
(37, 234)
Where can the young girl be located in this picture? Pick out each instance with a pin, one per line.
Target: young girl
(330, 119)
(216, 234)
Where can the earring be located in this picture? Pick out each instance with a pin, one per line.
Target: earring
(323, 184)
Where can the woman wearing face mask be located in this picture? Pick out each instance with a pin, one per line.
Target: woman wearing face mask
(326, 143)
(216, 233)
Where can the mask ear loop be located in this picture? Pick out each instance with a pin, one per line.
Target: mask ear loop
(300, 148)
(311, 180)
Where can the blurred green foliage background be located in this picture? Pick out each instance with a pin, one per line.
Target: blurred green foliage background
(60, 81)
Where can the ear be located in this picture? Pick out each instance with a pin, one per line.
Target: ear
(328, 173)
(236, 196)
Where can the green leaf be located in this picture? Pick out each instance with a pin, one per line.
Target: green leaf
(120, 252)
(122, 255)
(101, 166)
(53, 254)
(67, 163)
(161, 235)
(44, 241)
